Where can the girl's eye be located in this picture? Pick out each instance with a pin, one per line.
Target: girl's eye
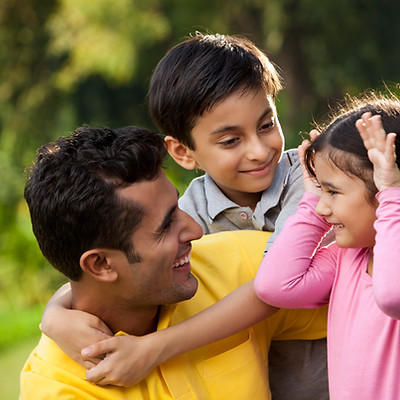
(331, 192)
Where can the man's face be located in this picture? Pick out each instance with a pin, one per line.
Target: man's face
(163, 242)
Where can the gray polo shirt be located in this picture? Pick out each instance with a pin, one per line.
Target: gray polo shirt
(205, 202)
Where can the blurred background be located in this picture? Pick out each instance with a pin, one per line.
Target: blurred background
(64, 63)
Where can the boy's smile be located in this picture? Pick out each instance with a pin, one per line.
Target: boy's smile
(239, 143)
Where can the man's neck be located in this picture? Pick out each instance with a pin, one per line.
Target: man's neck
(136, 321)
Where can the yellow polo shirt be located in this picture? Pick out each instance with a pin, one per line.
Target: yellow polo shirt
(234, 368)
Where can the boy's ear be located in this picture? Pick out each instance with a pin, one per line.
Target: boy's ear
(180, 153)
(96, 263)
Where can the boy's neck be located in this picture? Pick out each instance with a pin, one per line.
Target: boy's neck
(244, 199)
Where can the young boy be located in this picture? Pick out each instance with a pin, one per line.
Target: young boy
(213, 96)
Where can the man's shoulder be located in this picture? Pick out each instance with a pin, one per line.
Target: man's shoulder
(230, 250)
(235, 241)
(50, 374)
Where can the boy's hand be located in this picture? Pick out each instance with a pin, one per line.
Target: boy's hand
(72, 330)
(310, 183)
(83, 329)
(129, 359)
(381, 151)
(76, 330)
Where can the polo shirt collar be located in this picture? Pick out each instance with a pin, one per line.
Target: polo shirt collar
(217, 202)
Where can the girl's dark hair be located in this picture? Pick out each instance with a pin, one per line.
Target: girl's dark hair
(341, 143)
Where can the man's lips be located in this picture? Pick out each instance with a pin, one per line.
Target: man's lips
(182, 260)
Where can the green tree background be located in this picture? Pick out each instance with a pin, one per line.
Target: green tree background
(64, 63)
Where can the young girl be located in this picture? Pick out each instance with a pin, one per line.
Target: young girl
(355, 190)
(350, 162)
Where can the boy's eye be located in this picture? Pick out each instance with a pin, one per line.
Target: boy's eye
(228, 142)
(268, 124)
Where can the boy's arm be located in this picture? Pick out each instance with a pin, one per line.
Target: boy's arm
(71, 329)
(129, 359)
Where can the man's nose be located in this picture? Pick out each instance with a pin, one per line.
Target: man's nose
(190, 229)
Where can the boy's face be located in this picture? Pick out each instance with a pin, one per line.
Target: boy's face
(239, 143)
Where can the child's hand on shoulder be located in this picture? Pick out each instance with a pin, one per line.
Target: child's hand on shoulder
(81, 330)
(129, 359)
(310, 183)
(72, 330)
(381, 151)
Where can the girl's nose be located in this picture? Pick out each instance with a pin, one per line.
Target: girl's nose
(322, 208)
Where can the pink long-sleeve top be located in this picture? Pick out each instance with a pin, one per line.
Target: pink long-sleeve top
(364, 311)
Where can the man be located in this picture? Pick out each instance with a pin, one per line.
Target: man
(106, 216)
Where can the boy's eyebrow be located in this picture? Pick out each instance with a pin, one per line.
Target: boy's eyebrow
(226, 128)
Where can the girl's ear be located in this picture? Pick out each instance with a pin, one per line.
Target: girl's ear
(180, 153)
(95, 262)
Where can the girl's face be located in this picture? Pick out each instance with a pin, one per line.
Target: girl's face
(344, 204)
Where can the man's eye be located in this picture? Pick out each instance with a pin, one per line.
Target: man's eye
(168, 224)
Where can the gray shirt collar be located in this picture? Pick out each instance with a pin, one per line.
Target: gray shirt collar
(218, 202)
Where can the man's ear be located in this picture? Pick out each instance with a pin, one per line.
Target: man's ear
(180, 153)
(96, 263)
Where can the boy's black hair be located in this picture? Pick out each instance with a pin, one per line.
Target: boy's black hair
(341, 143)
(202, 71)
(72, 192)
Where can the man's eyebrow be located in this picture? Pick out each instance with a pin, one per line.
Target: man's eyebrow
(226, 128)
(168, 216)
(166, 219)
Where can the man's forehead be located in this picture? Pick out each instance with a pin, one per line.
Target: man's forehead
(149, 193)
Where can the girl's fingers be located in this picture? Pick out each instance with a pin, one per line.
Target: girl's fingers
(372, 132)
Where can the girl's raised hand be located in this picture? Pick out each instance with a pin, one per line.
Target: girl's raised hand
(381, 151)
(310, 183)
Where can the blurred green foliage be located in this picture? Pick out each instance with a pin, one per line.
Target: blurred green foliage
(64, 63)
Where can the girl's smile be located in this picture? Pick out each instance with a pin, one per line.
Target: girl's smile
(345, 204)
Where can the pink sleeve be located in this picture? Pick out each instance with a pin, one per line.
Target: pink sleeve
(289, 275)
(386, 269)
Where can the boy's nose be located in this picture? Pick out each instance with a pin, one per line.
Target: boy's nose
(256, 150)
